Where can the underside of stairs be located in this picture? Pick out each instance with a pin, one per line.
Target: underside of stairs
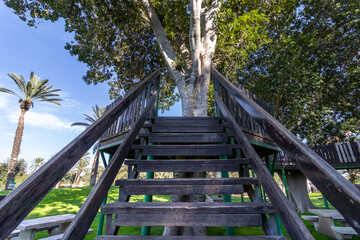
(189, 144)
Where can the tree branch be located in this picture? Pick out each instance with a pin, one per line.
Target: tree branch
(195, 37)
(164, 43)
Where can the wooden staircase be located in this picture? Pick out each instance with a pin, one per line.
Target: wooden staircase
(189, 144)
(186, 145)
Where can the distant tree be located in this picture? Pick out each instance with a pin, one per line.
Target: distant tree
(80, 167)
(20, 171)
(36, 164)
(97, 113)
(31, 91)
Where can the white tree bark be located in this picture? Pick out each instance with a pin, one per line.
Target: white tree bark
(193, 86)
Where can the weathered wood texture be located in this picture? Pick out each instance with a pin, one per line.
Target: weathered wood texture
(88, 211)
(190, 238)
(165, 219)
(187, 120)
(343, 195)
(191, 165)
(187, 150)
(45, 221)
(338, 155)
(292, 222)
(193, 186)
(20, 202)
(188, 208)
(187, 181)
(186, 137)
(184, 190)
(185, 128)
(60, 236)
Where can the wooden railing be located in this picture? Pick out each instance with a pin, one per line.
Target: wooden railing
(20, 202)
(338, 155)
(244, 120)
(224, 98)
(123, 123)
(343, 195)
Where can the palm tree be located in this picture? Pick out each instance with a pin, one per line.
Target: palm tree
(97, 113)
(31, 91)
(80, 167)
(36, 164)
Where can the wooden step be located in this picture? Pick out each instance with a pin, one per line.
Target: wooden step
(187, 150)
(186, 137)
(110, 237)
(189, 186)
(186, 128)
(186, 181)
(188, 213)
(191, 120)
(192, 165)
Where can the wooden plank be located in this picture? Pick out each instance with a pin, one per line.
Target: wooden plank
(45, 221)
(190, 238)
(351, 152)
(186, 137)
(184, 190)
(21, 201)
(185, 128)
(338, 152)
(85, 216)
(187, 181)
(292, 222)
(187, 120)
(343, 195)
(216, 220)
(189, 161)
(186, 165)
(187, 208)
(60, 236)
(187, 150)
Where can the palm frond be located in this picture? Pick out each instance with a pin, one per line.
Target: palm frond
(80, 124)
(5, 90)
(18, 81)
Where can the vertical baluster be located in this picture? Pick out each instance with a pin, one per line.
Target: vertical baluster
(133, 112)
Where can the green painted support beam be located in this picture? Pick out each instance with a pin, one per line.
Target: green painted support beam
(326, 203)
(146, 230)
(102, 216)
(285, 184)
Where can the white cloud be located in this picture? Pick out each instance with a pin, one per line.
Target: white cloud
(4, 101)
(44, 120)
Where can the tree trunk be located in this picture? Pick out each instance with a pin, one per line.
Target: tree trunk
(16, 148)
(297, 186)
(193, 81)
(94, 169)
(353, 175)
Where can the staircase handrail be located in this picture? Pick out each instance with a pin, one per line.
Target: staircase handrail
(21, 201)
(343, 195)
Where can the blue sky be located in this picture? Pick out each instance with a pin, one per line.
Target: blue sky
(47, 126)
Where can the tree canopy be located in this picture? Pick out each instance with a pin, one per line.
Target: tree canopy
(300, 55)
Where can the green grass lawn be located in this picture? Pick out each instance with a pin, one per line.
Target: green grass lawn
(69, 200)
